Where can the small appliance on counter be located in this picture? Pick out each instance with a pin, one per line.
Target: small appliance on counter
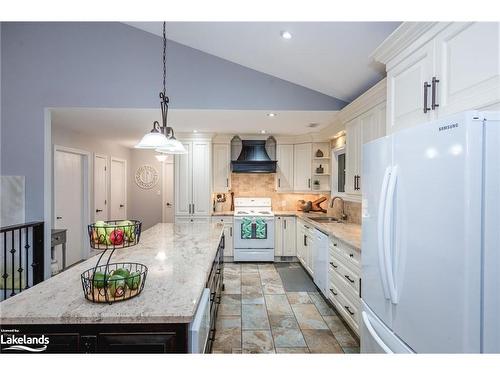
(253, 230)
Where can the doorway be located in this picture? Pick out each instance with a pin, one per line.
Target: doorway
(168, 210)
(118, 187)
(71, 202)
(100, 187)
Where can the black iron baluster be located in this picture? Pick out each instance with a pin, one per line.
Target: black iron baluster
(12, 251)
(5, 275)
(20, 269)
(27, 247)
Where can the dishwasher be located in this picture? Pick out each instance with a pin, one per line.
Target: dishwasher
(321, 261)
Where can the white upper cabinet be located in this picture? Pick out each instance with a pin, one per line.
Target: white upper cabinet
(284, 172)
(302, 166)
(221, 168)
(437, 69)
(467, 66)
(409, 90)
(192, 180)
(353, 155)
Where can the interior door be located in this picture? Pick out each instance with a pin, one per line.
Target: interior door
(285, 168)
(376, 163)
(69, 206)
(435, 230)
(168, 191)
(201, 179)
(118, 182)
(183, 181)
(100, 187)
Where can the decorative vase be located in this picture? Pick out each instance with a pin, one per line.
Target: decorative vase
(319, 153)
(320, 169)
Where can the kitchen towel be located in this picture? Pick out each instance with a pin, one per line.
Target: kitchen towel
(246, 228)
(260, 229)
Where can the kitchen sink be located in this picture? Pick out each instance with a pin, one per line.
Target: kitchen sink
(325, 219)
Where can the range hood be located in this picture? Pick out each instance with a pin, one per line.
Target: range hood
(253, 159)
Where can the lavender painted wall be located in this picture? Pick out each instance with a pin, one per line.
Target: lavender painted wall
(114, 65)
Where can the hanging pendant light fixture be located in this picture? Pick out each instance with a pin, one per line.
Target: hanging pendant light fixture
(161, 138)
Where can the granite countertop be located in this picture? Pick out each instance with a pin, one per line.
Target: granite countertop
(347, 232)
(179, 258)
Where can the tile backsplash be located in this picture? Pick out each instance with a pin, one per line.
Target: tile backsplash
(264, 185)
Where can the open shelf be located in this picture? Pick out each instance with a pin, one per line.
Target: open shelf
(321, 174)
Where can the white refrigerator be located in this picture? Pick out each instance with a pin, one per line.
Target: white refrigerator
(431, 238)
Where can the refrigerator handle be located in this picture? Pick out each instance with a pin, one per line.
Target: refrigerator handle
(376, 337)
(388, 224)
(380, 232)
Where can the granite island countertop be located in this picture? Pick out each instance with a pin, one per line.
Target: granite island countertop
(179, 258)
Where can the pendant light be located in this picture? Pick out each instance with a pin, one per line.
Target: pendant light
(161, 138)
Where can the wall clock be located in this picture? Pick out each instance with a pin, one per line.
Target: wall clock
(146, 177)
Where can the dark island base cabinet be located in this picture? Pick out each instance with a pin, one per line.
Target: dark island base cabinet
(127, 338)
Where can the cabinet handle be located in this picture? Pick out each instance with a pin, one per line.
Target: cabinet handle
(426, 89)
(122, 205)
(309, 183)
(434, 105)
(279, 182)
(351, 255)
(331, 290)
(348, 278)
(305, 240)
(227, 182)
(231, 231)
(284, 223)
(355, 183)
(359, 179)
(333, 265)
(98, 210)
(348, 310)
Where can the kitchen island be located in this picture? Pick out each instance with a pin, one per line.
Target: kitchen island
(182, 260)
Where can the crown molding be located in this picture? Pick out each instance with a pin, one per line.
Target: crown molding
(401, 38)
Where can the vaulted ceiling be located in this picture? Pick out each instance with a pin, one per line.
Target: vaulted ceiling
(328, 57)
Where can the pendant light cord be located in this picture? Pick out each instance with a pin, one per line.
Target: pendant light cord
(167, 131)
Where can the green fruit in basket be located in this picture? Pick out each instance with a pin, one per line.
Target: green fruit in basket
(134, 280)
(122, 272)
(99, 280)
(116, 285)
(128, 228)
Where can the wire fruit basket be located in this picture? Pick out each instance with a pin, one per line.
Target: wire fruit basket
(104, 235)
(113, 282)
(110, 282)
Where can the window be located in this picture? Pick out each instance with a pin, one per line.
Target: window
(338, 170)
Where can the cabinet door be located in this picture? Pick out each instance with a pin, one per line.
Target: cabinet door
(289, 236)
(284, 181)
(183, 181)
(221, 168)
(228, 233)
(302, 155)
(353, 156)
(300, 241)
(467, 66)
(278, 236)
(201, 178)
(405, 89)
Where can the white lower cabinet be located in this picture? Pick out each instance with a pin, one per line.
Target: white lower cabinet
(305, 245)
(345, 281)
(285, 237)
(228, 233)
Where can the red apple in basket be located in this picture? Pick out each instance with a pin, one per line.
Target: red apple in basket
(116, 237)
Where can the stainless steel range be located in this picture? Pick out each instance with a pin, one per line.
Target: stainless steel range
(253, 230)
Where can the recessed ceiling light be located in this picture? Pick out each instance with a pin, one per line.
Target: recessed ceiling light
(195, 131)
(313, 125)
(286, 34)
(262, 132)
(271, 115)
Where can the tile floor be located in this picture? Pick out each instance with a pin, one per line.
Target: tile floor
(257, 315)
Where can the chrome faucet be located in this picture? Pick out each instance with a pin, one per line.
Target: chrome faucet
(343, 216)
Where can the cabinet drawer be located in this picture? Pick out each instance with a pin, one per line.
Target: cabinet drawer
(351, 255)
(348, 309)
(222, 219)
(347, 278)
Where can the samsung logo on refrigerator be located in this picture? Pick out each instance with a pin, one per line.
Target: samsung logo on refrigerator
(448, 127)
